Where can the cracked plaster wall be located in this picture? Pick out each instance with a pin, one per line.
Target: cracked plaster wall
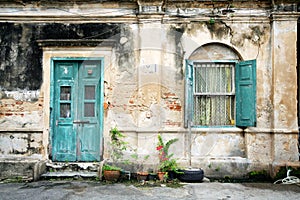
(251, 41)
(144, 88)
(21, 93)
(152, 98)
(155, 103)
(276, 96)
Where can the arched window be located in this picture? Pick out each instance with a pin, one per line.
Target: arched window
(220, 89)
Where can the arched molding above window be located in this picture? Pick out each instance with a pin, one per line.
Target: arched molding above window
(215, 51)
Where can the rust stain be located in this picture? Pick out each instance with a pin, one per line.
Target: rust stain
(172, 123)
(19, 102)
(286, 146)
(131, 101)
(105, 105)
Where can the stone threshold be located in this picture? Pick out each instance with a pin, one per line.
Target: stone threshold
(70, 175)
(79, 165)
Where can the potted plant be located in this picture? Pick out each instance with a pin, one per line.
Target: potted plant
(117, 145)
(111, 173)
(142, 175)
(167, 164)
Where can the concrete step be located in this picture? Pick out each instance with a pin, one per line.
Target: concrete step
(71, 170)
(53, 175)
(72, 166)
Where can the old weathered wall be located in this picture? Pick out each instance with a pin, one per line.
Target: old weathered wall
(154, 103)
(147, 97)
(144, 77)
(284, 89)
(21, 57)
(22, 103)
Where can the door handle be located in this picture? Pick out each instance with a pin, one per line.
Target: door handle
(80, 122)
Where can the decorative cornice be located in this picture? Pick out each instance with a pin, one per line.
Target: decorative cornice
(151, 6)
(60, 15)
(285, 16)
(131, 15)
(76, 42)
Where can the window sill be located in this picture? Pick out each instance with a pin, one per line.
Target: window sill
(224, 129)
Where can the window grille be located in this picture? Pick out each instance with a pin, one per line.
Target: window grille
(214, 94)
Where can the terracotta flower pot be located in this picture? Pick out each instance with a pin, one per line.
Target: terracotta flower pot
(142, 176)
(161, 175)
(111, 175)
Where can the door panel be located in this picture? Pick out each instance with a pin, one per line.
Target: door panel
(65, 143)
(64, 137)
(89, 150)
(76, 127)
(88, 103)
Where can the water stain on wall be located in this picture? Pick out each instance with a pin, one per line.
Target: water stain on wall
(21, 57)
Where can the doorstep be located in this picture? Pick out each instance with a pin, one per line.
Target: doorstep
(50, 175)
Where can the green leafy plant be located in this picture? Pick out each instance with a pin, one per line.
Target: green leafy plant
(211, 21)
(108, 167)
(140, 161)
(166, 162)
(118, 144)
(169, 165)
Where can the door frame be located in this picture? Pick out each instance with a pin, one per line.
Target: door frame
(52, 87)
(298, 81)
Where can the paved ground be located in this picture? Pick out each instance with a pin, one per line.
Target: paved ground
(63, 190)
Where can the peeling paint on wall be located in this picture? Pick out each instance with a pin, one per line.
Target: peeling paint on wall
(21, 95)
(20, 114)
(144, 80)
(218, 145)
(26, 144)
(256, 34)
(21, 57)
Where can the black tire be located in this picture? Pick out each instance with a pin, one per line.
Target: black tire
(193, 175)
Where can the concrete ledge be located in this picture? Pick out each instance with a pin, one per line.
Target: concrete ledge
(232, 167)
(26, 169)
(70, 174)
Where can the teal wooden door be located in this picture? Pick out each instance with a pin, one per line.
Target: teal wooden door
(76, 115)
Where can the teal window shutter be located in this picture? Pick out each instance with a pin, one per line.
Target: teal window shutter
(188, 110)
(246, 93)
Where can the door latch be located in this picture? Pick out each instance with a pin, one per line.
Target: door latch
(80, 122)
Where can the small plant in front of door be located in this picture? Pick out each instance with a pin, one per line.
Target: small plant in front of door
(117, 145)
(111, 173)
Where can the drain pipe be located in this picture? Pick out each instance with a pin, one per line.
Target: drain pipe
(189, 109)
(189, 90)
(189, 143)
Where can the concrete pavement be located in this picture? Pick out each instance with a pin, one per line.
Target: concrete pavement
(64, 190)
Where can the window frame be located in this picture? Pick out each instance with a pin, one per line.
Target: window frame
(232, 93)
(191, 76)
(189, 93)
